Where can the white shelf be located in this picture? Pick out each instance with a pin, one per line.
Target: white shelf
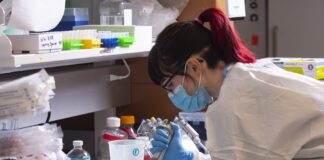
(14, 63)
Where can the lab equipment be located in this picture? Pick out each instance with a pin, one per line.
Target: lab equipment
(127, 125)
(36, 43)
(125, 41)
(194, 136)
(149, 127)
(173, 148)
(156, 13)
(26, 96)
(142, 35)
(112, 133)
(161, 132)
(73, 17)
(197, 121)
(78, 153)
(115, 12)
(265, 112)
(23, 144)
(126, 150)
(5, 11)
(80, 39)
(108, 39)
(312, 67)
(36, 15)
(109, 43)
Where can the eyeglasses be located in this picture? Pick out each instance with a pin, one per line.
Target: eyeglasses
(166, 83)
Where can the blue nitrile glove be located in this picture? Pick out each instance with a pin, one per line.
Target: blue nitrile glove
(174, 149)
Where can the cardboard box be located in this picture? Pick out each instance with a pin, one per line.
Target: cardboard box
(311, 67)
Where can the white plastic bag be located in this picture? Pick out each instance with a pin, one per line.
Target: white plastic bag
(42, 142)
(152, 13)
(26, 96)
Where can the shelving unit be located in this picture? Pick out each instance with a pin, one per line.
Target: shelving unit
(13, 63)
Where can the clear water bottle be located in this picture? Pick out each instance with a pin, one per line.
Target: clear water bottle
(78, 153)
(111, 133)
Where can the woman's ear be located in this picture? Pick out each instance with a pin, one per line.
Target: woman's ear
(194, 70)
(193, 65)
(221, 64)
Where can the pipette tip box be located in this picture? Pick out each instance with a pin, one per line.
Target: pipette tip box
(141, 35)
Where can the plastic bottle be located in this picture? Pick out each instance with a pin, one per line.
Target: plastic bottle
(77, 153)
(112, 12)
(110, 134)
(128, 126)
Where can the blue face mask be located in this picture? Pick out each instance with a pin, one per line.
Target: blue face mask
(193, 103)
(188, 103)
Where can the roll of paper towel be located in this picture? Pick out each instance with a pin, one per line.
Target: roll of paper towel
(36, 15)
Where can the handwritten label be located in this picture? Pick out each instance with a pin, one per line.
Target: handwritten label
(50, 41)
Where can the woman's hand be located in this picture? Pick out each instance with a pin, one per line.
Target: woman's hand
(174, 148)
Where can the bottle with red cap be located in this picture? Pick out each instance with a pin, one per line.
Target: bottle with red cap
(111, 133)
(128, 126)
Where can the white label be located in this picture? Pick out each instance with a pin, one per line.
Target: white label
(236, 8)
(309, 68)
(128, 17)
(50, 41)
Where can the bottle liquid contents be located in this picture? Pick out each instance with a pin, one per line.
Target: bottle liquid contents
(111, 133)
(77, 153)
(115, 12)
(128, 126)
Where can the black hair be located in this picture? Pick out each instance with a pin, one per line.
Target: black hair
(174, 45)
(180, 40)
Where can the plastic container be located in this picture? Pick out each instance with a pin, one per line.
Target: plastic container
(91, 43)
(112, 133)
(125, 41)
(112, 12)
(126, 150)
(73, 17)
(77, 153)
(109, 42)
(72, 44)
(128, 126)
(147, 154)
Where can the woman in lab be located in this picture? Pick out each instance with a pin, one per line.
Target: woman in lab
(256, 111)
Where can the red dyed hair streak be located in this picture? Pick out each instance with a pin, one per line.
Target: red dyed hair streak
(226, 41)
